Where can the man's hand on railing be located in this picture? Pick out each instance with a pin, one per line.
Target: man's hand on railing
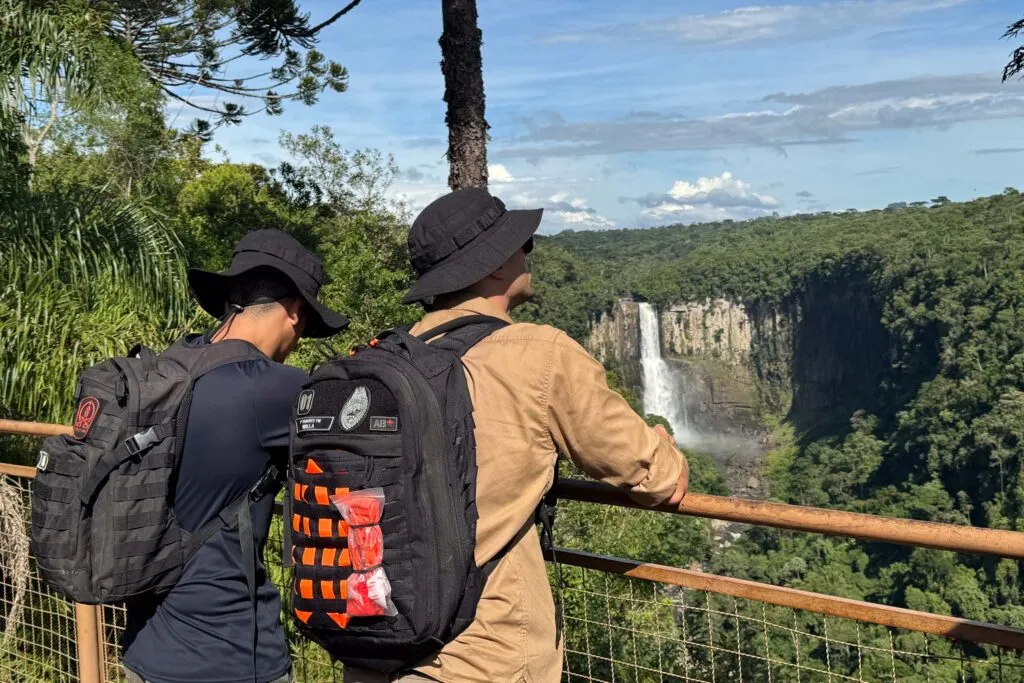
(684, 475)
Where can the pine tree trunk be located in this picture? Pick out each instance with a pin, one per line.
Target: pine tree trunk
(462, 66)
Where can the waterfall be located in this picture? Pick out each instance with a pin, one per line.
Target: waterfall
(664, 390)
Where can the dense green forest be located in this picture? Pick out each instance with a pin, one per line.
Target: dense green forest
(104, 202)
(921, 309)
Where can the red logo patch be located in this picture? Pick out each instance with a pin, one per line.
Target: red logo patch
(88, 409)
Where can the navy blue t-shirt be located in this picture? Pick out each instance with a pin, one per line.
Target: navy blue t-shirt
(201, 631)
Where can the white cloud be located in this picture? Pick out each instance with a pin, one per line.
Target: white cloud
(827, 116)
(585, 219)
(715, 198)
(765, 22)
(497, 173)
(722, 190)
(414, 197)
(562, 210)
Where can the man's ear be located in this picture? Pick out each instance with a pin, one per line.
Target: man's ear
(502, 272)
(293, 307)
(498, 274)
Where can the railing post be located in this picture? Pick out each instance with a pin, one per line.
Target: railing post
(88, 639)
(101, 645)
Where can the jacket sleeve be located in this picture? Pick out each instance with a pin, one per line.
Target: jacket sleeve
(595, 427)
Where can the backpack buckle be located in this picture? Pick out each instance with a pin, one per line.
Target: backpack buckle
(142, 441)
(265, 484)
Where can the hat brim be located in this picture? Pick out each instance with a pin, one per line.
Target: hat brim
(479, 258)
(211, 291)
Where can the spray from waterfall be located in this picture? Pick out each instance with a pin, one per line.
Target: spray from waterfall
(664, 390)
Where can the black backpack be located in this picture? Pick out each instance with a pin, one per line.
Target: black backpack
(395, 415)
(103, 523)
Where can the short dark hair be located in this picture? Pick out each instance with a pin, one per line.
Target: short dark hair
(258, 286)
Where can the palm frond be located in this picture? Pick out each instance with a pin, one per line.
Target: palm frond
(84, 278)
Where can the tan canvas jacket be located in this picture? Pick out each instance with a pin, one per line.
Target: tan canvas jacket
(536, 392)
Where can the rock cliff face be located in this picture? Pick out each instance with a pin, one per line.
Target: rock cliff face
(839, 350)
(819, 351)
(708, 346)
(814, 358)
(615, 341)
(715, 328)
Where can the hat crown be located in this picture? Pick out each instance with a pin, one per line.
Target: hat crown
(449, 223)
(283, 246)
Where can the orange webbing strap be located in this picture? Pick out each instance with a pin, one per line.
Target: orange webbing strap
(329, 557)
(321, 496)
(334, 590)
(325, 527)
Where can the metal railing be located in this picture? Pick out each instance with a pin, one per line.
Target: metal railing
(624, 620)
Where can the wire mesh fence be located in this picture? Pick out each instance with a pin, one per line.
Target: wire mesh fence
(617, 630)
(310, 663)
(623, 630)
(39, 636)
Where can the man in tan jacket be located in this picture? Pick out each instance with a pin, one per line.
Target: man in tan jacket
(535, 393)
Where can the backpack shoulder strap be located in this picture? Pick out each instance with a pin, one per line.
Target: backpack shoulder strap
(238, 513)
(463, 333)
(435, 357)
(267, 484)
(199, 360)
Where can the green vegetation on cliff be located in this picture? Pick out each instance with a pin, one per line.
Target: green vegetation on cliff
(907, 376)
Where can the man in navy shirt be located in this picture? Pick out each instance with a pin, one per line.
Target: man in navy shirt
(204, 630)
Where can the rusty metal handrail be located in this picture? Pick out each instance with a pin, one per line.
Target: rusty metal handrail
(858, 610)
(936, 535)
(795, 517)
(846, 608)
(23, 428)
(939, 536)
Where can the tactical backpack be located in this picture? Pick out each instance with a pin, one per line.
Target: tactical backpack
(103, 523)
(396, 416)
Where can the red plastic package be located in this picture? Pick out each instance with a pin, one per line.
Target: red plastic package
(360, 508)
(369, 591)
(369, 595)
(365, 547)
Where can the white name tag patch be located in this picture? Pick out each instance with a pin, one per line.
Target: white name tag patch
(321, 423)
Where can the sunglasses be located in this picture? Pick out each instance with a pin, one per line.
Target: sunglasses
(528, 247)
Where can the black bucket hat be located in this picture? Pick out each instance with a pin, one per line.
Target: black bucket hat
(282, 252)
(463, 237)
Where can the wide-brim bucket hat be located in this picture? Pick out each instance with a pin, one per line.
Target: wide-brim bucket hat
(463, 237)
(282, 252)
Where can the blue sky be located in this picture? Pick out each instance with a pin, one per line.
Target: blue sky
(615, 114)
